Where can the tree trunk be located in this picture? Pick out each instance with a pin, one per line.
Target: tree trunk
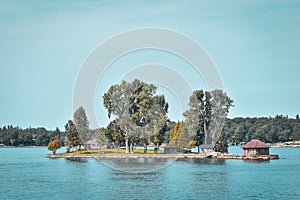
(145, 147)
(205, 133)
(156, 148)
(131, 147)
(127, 146)
(117, 148)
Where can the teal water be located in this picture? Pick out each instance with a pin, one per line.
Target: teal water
(27, 174)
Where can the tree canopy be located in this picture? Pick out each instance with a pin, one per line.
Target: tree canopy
(82, 124)
(54, 145)
(139, 116)
(206, 115)
(16, 136)
(268, 129)
(179, 136)
(138, 112)
(72, 136)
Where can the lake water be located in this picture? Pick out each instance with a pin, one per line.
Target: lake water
(27, 174)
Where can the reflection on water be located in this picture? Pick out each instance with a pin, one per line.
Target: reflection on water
(146, 165)
(203, 161)
(80, 160)
(260, 161)
(26, 172)
(137, 165)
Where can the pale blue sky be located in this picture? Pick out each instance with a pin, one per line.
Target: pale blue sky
(254, 44)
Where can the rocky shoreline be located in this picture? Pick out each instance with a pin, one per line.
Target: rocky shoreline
(291, 144)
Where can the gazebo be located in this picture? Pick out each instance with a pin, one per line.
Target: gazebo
(256, 147)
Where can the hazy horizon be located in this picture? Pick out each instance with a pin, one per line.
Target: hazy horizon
(253, 44)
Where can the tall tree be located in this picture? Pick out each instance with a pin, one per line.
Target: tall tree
(72, 136)
(196, 120)
(155, 123)
(131, 104)
(82, 124)
(119, 101)
(206, 116)
(220, 105)
(114, 134)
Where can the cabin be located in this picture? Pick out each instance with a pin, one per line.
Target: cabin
(207, 148)
(256, 147)
(92, 144)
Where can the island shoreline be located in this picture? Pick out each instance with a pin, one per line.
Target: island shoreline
(214, 155)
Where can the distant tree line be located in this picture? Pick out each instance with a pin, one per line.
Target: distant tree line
(16, 136)
(139, 117)
(271, 130)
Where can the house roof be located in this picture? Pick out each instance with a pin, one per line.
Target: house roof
(92, 141)
(254, 144)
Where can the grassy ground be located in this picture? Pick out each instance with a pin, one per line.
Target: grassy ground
(121, 151)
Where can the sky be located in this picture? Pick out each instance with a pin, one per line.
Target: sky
(254, 45)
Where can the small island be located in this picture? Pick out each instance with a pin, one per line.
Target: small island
(140, 119)
(255, 150)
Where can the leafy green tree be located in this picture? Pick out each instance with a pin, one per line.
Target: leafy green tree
(239, 134)
(220, 105)
(206, 115)
(54, 145)
(119, 101)
(221, 144)
(114, 134)
(132, 103)
(101, 136)
(159, 121)
(82, 124)
(72, 136)
(198, 116)
(155, 123)
(167, 130)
